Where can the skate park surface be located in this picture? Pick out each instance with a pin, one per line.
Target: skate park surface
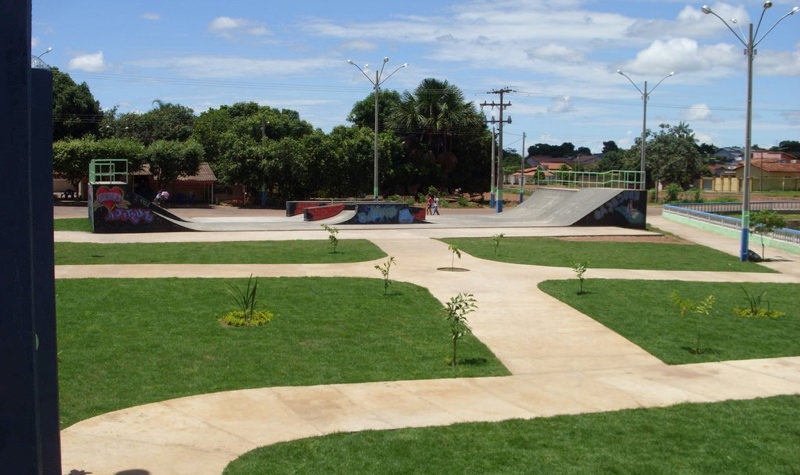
(561, 361)
(545, 207)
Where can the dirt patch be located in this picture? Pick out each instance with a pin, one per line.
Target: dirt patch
(660, 239)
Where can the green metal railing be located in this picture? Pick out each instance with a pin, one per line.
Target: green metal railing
(626, 179)
(110, 170)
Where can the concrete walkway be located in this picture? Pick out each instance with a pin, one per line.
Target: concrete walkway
(561, 361)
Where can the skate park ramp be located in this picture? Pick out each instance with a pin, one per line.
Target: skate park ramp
(563, 207)
(567, 207)
(554, 207)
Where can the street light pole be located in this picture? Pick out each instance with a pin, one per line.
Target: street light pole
(376, 83)
(38, 62)
(645, 97)
(750, 51)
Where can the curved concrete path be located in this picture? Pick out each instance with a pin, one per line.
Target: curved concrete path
(561, 361)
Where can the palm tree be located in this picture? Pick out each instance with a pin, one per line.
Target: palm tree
(433, 114)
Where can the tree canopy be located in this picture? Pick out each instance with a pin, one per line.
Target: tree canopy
(672, 155)
(75, 111)
(447, 141)
(363, 112)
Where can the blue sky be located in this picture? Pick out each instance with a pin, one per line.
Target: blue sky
(560, 57)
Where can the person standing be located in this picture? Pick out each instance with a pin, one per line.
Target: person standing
(435, 205)
(430, 204)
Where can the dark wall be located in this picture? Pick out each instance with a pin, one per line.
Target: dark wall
(29, 437)
(626, 210)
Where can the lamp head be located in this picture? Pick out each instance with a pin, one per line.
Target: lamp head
(405, 65)
(619, 71)
(672, 73)
(349, 61)
(767, 4)
(706, 9)
(794, 10)
(385, 59)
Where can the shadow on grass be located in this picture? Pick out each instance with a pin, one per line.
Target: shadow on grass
(473, 361)
(702, 351)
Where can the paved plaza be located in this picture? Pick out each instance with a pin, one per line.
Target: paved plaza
(561, 361)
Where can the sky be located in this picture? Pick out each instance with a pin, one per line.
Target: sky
(560, 59)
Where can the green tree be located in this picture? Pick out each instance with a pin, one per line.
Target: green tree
(792, 147)
(566, 149)
(245, 124)
(445, 136)
(456, 311)
(672, 155)
(76, 113)
(71, 157)
(765, 221)
(610, 146)
(363, 112)
(166, 121)
(615, 160)
(170, 159)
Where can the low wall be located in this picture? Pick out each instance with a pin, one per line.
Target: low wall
(316, 213)
(387, 213)
(115, 209)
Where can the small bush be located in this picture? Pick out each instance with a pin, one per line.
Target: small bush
(672, 190)
(754, 308)
(238, 318)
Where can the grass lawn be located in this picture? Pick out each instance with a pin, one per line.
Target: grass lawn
(72, 224)
(125, 342)
(601, 254)
(643, 312)
(234, 252)
(756, 436)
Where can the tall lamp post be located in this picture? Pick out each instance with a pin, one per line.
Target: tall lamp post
(645, 97)
(37, 62)
(749, 44)
(376, 83)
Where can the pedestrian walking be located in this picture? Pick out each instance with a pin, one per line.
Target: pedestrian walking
(435, 205)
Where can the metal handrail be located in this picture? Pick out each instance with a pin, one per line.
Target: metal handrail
(626, 179)
(688, 211)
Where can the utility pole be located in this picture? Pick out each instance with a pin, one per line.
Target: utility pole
(492, 182)
(522, 171)
(501, 105)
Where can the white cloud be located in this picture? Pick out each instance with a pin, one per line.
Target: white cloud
(555, 51)
(358, 45)
(150, 16)
(560, 105)
(231, 28)
(92, 62)
(227, 67)
(698, 112)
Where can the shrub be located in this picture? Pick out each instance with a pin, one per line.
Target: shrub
(754, 309)
(672, 190)
(384, 270)
(238, 318)
(453, 248)
(332, 232)
(688, 307)
(496, 239)
(764, 222)
(580, 269)
(456, 311)
(246, 299)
